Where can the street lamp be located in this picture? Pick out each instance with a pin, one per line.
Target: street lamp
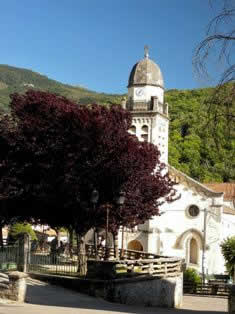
(120, 200)
(94, 201)
(204, 244)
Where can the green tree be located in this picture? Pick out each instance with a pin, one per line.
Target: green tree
(228, 251)
(218, 46)
(18, 229)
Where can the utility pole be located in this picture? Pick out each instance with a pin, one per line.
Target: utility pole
(204, 245)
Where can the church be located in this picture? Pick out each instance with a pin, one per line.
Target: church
(193, 226)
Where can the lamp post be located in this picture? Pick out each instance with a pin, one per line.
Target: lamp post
(94, 201)
(204, 244)
(120, 200)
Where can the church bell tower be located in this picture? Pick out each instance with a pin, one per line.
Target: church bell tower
(150, 120)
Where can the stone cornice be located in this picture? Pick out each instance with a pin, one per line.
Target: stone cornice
(180, 177)
(143, 85)
(149, 113)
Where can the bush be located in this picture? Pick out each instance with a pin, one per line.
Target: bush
(192, 276)
(19, 229)
(228, 251)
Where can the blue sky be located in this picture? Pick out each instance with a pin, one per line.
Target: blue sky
(95, 43)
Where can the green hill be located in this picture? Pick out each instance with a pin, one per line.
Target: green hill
(201, 141)
(202, 133)
(14, 79)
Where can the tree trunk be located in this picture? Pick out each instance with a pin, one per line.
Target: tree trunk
(2, 220)
(95, 243)
(81, 253)
(58, 238)
(71, 242)
(115, 245)
(1, 236)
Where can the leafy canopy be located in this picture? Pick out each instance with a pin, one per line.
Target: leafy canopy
(61, 151)
(18, 229)
(228, 251)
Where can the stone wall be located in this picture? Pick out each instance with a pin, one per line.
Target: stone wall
(145, 289)
(148, 291)
(13, 286)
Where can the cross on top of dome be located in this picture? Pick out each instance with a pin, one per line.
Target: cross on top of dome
(146, 51)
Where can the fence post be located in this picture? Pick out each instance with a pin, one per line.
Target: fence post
(24, 253)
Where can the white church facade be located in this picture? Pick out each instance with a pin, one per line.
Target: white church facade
(193, 226)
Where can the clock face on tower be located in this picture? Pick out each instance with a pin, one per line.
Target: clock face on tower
(139, 92)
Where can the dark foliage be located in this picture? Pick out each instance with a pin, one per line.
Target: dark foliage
(60, 151)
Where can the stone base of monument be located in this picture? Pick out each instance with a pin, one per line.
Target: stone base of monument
(135, 288)
(145, 290)
(13, 286)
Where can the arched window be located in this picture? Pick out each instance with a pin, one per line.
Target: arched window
(135, 245)
(145, 129)
(193, 252)
(144, 133)
(133, 129)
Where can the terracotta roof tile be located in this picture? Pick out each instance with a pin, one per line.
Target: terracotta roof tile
(228, 210)
(227, 188)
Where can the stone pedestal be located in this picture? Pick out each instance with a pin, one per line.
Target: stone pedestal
(24, 253)
(16, 287)
(148, 291)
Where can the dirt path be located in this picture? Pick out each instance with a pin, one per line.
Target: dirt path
(43, 298)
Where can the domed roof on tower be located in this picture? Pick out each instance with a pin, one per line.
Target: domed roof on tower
(146, 72)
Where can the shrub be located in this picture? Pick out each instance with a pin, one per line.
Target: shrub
(228, 251)
(191, 275)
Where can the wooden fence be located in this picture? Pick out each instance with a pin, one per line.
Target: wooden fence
(159, 267)
(125, 254)
(141, 262)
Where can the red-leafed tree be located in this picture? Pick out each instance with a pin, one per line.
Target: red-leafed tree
(9, 186)
(63, 151)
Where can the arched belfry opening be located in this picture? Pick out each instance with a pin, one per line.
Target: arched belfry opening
(135, 245)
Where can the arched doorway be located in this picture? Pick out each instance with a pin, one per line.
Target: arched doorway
(193, 251)
(135, 245)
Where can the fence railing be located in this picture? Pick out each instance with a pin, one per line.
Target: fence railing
(220, 289)
(65, 263)
(133, 261)
(53, 264)
(9, 257)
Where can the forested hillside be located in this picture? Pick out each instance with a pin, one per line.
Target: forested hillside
(202, 139)
(14, 79)
(202, 134)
